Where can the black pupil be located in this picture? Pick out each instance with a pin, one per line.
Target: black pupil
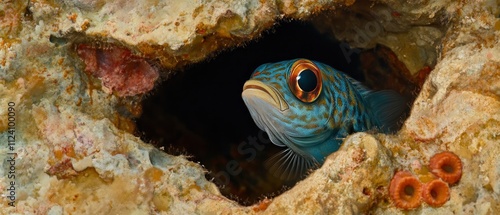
(307, 80)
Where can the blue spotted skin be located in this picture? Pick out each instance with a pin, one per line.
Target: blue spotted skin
(312, 130)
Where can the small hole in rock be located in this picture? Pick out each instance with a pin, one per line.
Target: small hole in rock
(200, 112)
(367, 191)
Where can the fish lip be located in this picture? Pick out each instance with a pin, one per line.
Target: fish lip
(266, 93)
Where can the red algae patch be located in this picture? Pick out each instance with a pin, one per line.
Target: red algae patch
(262, 205)
(119, 69)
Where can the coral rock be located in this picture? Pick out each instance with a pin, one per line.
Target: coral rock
(74, 153)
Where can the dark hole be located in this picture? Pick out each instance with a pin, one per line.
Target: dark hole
(200, 112)
(409, 190)
(447, 168)
(28, 14)
(367, 191)
(434, 193)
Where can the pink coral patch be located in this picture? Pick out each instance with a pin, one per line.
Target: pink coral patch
(119, 70)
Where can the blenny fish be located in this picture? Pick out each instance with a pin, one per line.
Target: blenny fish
(309, 108)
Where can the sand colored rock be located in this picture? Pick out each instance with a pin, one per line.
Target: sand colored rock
(413, 31)
(74, 152)
(344, 175)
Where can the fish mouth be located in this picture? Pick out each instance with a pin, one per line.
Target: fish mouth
(254, 88)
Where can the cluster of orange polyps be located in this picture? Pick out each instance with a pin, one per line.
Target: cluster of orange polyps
(407, 192)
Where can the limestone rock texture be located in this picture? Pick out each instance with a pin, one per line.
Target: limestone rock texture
(65, 141)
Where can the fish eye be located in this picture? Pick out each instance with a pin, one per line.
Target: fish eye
(305, 80)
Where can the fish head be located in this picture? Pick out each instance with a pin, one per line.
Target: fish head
(291, 102)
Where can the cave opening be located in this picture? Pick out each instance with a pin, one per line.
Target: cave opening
(199, 112)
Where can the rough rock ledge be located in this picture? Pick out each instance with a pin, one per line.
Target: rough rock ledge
(74, 153)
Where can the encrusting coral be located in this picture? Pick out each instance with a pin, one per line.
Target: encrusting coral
(405, 190)
(119, 69)
(446, 166)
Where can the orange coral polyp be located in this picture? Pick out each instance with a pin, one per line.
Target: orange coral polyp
(446, 166)
(436, 193)
(405, 190)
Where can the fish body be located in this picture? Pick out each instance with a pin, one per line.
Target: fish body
(308, 107)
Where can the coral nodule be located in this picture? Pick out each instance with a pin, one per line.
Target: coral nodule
(436, 193)
(447, 166)
(405, 190)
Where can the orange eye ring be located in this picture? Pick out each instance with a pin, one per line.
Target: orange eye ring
(308, 71)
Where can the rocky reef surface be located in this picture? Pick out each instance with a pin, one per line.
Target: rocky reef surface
(65, 129)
